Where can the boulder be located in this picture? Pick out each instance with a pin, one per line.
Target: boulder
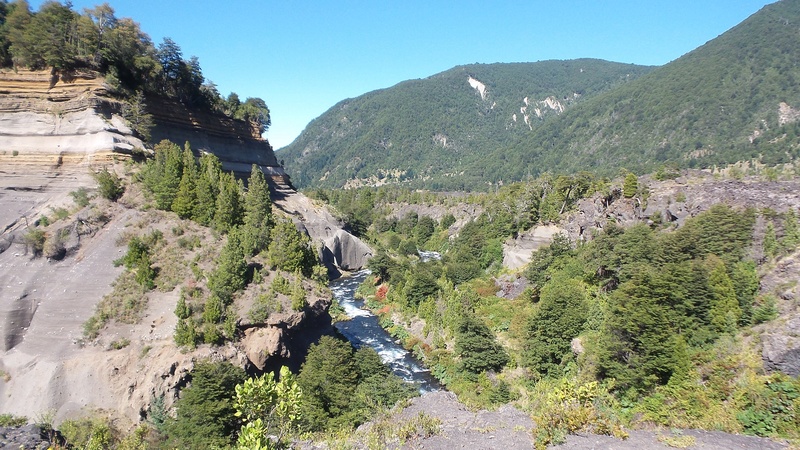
(346, 251)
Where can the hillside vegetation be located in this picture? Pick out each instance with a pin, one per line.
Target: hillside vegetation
(64, 40)
(735, 98)
(650, 324)
(441, 126)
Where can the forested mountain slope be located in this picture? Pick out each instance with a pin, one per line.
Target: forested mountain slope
(736, 97)
(440, 126)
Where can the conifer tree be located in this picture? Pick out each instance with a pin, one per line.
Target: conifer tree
(289, 249)
(559, 319)
(257, 213)
(206, 189)
(630, 185)
(725, 311)
(791, 231)
(186, 197)
(770, 241)
(230, 274)
(228, 210)
(477, 347)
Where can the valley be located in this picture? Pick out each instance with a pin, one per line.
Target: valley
(575, 253)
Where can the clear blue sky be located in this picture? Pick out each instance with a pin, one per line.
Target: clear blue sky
(302, 57)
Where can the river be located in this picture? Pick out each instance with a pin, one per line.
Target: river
(363, 328)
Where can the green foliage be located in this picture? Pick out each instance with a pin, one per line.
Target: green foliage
(342, 389)
(770, 241)
(630, 186)
(10, 420)
(791, 231)
(34, 240)
(638, 346)
(109, 185)
(228, 209)
(290, 250)
(81, 197)
(205, 412)
(87, 433)
(566, 406)
(724, 309)
(328, 379)
(134, 111)
(230, 275)
(559, 319)
(162, 174)
(258, 220)
(267, 407)
(477, 347)
(186, 198)
(298, 293)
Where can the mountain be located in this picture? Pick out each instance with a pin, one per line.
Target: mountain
(438, 126)
(736, 97)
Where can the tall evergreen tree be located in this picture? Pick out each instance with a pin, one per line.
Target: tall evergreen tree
(186, 197)
(207, 189)
(638, 345)
(257, 213)
(477, 347)
(228, 210)
(559, 319)
(230, 275)
(725, 311)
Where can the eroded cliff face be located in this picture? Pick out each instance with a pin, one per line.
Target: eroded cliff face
(54, 130)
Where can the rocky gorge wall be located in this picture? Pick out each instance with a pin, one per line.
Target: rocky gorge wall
(54, 130)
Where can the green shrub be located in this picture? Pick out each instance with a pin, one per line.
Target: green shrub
(81, 197)
(35, 239)
(8, 420)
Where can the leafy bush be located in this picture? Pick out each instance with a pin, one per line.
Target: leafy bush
(206, 410)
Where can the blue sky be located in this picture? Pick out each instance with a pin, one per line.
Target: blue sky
(302, 57)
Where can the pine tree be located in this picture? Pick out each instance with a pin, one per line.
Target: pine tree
(258, 219)
(290, 250)
(791, 231)
(228, 210)
(770, 241)
(630, 186)
(725, 310)
(230, 274)
(477, 347)
(559, 319)
(186, 197)
(207, 189)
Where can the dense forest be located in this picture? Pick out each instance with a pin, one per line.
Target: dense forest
(439, 126)
(58, 38)
(734, 98)
(645, 324)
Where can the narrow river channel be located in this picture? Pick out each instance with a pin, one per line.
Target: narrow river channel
(363, 329)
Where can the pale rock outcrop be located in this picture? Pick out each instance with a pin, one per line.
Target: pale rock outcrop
(345, 251)
(517, 252)
(338, 249)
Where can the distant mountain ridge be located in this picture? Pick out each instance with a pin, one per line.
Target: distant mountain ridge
(735, 98)
(436, 127)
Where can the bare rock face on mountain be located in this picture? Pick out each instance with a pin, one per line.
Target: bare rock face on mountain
(780, 338)
(339, 250)
(668, 202)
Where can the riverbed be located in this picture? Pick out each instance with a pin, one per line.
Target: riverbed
(363, 329)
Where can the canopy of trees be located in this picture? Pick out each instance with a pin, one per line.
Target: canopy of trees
(57, 37)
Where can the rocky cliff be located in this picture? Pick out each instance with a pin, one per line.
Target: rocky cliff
(54, 130)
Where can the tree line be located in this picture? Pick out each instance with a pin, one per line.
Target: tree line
(57, 37)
